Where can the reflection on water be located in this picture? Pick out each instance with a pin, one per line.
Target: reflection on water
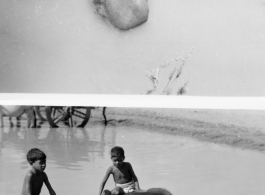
(78, 158)
(71, 144)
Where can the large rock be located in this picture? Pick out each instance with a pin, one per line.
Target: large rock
(123, 14)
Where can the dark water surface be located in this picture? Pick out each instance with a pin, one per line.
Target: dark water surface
(78, 159)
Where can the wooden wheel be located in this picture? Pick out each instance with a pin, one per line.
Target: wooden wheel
(55, 114)
(79, 116)
(41, 112)
(71, 116)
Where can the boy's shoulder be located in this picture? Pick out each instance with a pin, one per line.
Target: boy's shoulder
(29, 175)
(32, 173)
(111, 168)
(127, 164)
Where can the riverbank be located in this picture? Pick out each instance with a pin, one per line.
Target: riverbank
(239, 128)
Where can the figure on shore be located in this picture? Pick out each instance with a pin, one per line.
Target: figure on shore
(36, 176)
(123, 175)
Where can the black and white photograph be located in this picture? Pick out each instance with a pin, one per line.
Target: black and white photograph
(137, 97)
(170, 151)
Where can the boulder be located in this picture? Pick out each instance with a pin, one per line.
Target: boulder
(123, 14)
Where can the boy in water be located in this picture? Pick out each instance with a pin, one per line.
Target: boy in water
(123, 175)
(36, 176)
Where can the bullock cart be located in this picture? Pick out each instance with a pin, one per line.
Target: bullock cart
(73, 116)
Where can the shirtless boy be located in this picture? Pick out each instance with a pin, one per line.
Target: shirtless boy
(36, 176)
(123, 175)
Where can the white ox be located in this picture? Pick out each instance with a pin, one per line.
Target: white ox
(16, 111)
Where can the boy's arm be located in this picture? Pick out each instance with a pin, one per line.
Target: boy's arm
(135, 179)
(105, 179)
(48, 185)
(26, 190)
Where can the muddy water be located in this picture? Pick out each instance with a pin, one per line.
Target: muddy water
(78, 158)
(62, 46)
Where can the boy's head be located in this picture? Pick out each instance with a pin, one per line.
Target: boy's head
(35, 154)
(116, 152)
(117, 155)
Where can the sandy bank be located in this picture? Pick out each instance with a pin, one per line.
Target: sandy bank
(239, 128)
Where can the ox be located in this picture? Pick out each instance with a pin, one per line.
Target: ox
(17, 111)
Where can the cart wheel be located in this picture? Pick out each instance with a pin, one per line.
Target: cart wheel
(41, 112)
(80, 116)
(55, 114)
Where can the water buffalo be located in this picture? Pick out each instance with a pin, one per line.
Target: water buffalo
(122, 14)
(151, 191)
(17, 111)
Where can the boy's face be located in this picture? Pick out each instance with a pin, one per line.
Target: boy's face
(117, 161)
(39, 165)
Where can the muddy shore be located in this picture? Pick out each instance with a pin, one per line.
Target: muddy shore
(239, 128)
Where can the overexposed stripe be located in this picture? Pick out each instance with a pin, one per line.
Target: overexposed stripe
(151, 101)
